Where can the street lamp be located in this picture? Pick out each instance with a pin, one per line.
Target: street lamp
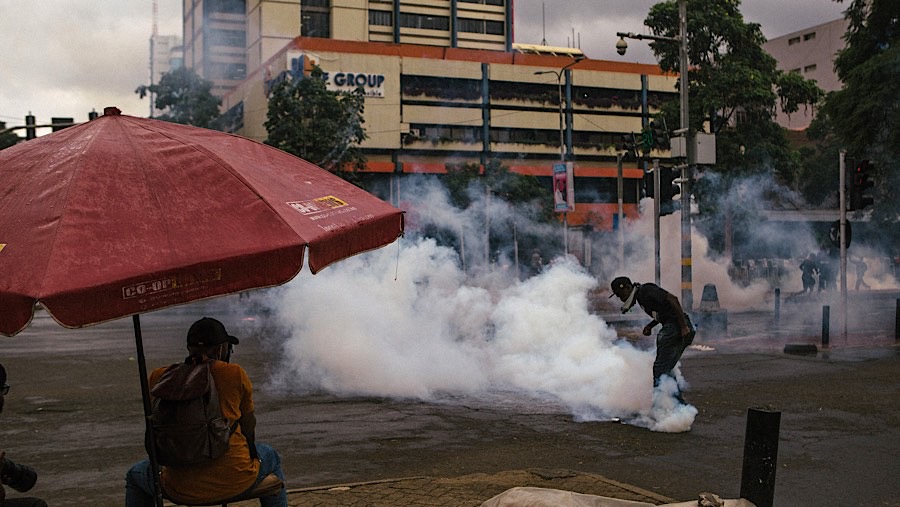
(562, 143)
(559, 74)
(687, 296)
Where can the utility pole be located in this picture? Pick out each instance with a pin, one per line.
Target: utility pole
(687, 293)
(687, 296)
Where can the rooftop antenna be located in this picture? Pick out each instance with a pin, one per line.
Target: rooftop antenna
(153, 36)
(544, 23)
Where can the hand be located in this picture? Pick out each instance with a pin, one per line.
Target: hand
(648, 329)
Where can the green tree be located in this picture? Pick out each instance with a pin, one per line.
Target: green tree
(185, 97)
(863, 116)
(316, 124)
(734, 86)
(7, 137)
(462, 181)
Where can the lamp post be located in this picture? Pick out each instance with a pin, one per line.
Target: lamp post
(687, 296)
(562, 142)
(559, 74)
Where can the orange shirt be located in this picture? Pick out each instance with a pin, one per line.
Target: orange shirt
(232, 473)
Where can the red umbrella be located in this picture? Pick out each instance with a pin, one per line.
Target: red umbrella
(124, 215)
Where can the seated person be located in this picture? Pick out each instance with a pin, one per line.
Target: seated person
(232, 473)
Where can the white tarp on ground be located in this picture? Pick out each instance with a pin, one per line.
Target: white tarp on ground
(543, 497)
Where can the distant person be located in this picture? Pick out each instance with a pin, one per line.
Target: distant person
(537, 263)
(861, 269)
(826, 272)
(18, 477)
(677, 331)
(239, 469)
(808, 269)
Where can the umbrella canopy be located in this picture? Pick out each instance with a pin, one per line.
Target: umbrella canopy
(124, 215)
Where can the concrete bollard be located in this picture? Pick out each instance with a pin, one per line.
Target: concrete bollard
(709, 316)
(760, 456)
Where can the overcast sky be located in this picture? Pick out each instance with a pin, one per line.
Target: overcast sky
(67, 57)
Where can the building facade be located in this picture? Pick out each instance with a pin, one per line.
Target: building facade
(809, 52)
(444, 84)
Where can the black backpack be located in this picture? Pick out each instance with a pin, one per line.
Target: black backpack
(187, 421)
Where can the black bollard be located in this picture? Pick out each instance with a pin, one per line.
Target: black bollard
(897, 321)
(777, 305)
(826, 325)
(760, 457)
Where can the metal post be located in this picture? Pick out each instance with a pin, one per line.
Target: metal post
(841, 239)
(897, 320)
(656, 192)
(760, 457)
(562, 154)
(620, 188)
(826, 325)
(777, 305)
(562, 141)
(687, 295)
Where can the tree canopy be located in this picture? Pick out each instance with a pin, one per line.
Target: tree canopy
(322, 126)
(7, 137)
(185, 97)
(734, 86)
(863, 116)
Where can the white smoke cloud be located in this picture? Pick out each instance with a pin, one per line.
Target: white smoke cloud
(428, 321)
(410, 321)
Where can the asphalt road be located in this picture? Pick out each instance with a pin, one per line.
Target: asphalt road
(74, 413)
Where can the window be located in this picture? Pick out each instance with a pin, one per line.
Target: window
(480, 26)
(424, 22)
(793, 40)
(809, 68)
(381, 18)
(232, 71)
(493, 27)
(233, 38)
(485, 2)
(315, 18)
(229, 6)
(809, 36)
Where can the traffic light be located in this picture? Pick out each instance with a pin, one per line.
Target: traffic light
(668, 189)
(859, 184)
(654, 136)
(629, 144)
(660, 135)
(648, 140)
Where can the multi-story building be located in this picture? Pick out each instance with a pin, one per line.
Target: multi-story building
(809, 52)
(444, 83)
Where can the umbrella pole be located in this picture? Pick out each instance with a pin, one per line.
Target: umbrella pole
(145, 394)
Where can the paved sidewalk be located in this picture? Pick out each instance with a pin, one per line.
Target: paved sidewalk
(469, 490)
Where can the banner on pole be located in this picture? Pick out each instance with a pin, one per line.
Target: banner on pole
(563, 187)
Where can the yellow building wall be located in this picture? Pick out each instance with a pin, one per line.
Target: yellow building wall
(354, 20)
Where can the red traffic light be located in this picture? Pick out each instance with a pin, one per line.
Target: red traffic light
(859, 184)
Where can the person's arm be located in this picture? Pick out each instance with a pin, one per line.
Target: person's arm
(248, 429)
(648, 329)
(679, 314)
(2, 491)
